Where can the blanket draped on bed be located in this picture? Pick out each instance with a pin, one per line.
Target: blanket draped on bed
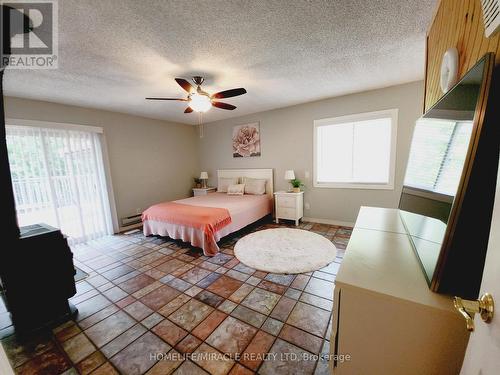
(207, 219)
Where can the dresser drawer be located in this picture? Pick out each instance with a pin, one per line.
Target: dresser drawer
(285, 201)
(287, 213)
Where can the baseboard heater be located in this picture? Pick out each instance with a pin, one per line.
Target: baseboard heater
(131, 220)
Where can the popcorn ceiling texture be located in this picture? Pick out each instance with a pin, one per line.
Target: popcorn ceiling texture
(114, 53)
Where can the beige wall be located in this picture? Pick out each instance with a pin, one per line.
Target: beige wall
(150, 161)
(287, 143)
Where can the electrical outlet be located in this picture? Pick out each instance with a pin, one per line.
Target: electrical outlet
(308, 206)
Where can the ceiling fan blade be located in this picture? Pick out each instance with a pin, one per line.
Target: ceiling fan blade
(221, 105)
(182, 100)
(188, 110)
(229, 93)
(185, 84)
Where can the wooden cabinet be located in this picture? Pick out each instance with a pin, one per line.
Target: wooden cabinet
(386, 320)
(289, 206)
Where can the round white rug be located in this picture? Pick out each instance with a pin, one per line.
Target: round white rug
(285, 250)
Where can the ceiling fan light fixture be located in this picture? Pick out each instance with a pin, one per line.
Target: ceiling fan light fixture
(200, 102)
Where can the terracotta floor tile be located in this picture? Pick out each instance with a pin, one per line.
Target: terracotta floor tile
(189, 368)
(249, 316)
(302, 339)
(109, 328)
(240, 294)
(219, 365)
(320, 288)
(208, 280)
(190, 314)
(195, 275)
(272, 326)
(285, 280)
(169, 332)
(117, 272)
(240, 370)
(272, 287)
(237, 275)
(91, 306)
(188, 344)
(167, 365)
(98, 316)
(173, 305)
(253, 355)
(135, 359)
(125, 302)
(260, 274)
(90, 363)
(50, 362)
(220, 259)
(138, 282)
(78, 347)
(283, 308)
(309, 318)
(227, 306)
(206, 327)
(159, 297)
(261, 300)
(117, 344)
(209, 298)
(105, 369)
(147, 289)
(69, 330)
(279, 365)
(138, 310)
(179, 284)
(231, 336)
(224, 286)
(317, 301)
(322, 368)
(152, 320)
(170, 265)
(300, 282)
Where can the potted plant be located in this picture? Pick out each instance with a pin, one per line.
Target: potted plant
(296, 184)
(197, 182)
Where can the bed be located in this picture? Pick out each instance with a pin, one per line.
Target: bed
(204, 220)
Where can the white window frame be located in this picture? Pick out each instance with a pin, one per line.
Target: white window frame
(391, 113)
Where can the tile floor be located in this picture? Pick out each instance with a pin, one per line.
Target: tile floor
(155, 306)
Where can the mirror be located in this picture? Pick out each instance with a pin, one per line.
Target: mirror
(440, 150)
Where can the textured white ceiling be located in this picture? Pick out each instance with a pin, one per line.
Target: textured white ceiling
(114, 53)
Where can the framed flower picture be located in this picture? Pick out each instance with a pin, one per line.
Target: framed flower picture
(246, 140)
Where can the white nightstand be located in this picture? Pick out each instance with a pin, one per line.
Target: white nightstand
(203, 191)
(289, 206)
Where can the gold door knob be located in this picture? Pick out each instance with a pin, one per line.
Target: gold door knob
(484, 306)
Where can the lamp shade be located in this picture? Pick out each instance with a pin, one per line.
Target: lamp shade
(289, 175)
(204, 176)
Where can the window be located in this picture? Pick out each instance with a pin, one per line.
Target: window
(437, 156)
(58, 178)
(356, 151)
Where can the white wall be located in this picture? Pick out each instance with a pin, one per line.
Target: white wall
(287, 143)
(150, 160)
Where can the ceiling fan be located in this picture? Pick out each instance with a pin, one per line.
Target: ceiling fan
(201, 101)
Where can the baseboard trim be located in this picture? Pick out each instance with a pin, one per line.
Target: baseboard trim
(328, 221)
(129, 227)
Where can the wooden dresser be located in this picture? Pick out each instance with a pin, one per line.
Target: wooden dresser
(385, 317)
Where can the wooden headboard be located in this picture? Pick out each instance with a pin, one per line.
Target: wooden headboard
(266, 174)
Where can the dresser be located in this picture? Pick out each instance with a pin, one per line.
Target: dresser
(289, 206)
(386, 320)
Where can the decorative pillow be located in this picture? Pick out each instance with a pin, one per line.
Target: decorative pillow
(224, 182)
(255, 186)
(236, 189)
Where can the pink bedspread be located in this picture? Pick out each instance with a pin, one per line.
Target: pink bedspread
(243, 210)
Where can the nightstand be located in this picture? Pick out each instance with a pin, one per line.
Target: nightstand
(203, 191)
(289, 206)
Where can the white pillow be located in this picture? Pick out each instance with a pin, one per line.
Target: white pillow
(224, 182)
(236, 189)
(255, 186)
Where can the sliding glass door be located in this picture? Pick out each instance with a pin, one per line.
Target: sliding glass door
(58, 178)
